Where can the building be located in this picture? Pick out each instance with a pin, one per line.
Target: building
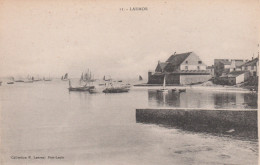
(224, 66)
(237, 77)
(251, 66)
(236, 65)
(184, 68)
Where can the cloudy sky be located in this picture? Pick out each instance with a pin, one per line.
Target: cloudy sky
(58, 36)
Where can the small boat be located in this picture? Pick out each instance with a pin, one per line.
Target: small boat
(116, 90)
(174, 90)
(140, 78)
(0, 83)
(28, 81)
(94, 90)
(47, 79)
(182, 90)
(12, 81)
(65, 78)
(19, 80)
(163, 90)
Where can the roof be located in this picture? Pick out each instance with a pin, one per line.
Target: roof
(226, 62)
(177, 59)
(251, 63)
(235, 73)
(163, 64)
(239, 63)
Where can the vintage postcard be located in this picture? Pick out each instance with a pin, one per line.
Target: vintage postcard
(89, 82)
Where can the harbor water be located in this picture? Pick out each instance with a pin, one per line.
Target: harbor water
(44, 123)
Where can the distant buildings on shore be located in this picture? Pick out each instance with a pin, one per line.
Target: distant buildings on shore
(188, 68)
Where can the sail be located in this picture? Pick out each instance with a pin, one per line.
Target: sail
(140, 78)
(66, 76)
(164, 83)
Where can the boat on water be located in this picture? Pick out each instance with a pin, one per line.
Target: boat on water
(0, 83)
(84, 88)
(182, 90)
(111, 88)
(163, 90)
(12, 81)
(29, 79)
(116, 90)
(47, 79)
(19, 80)
(140, 78)
(65, 77)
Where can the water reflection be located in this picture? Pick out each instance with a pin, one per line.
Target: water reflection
(203, 99)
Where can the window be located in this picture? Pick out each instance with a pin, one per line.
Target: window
(199, 62)
(187, 62)
(198, 67)
(252, 67)
(246, 68)
(186, 67)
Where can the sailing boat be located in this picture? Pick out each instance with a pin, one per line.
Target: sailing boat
(65, 77)
(12, 81)
(87, 78)
(140, 78)
(163, 90)
(29, 79)
(47, 79)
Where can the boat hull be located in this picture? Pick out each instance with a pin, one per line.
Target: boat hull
(115, 90)
(81, 89)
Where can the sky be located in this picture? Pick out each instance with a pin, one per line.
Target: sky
(53, 37)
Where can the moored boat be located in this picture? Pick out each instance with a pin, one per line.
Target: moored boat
(182, 90)
(116, 90)
(163, 90)
(80, 88)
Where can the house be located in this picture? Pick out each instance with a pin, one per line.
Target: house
(221, 65)
(184, 68)
(251, 66)
(235, 77)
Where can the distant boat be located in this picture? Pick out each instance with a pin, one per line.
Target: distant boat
(29, 79)
(116, 90)
(0, 83)
(182, 90)
(19, 80)
(47, 79)
(65, 77)
(81, 88)
(140, 78)
(163, 90)
(12, 81)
